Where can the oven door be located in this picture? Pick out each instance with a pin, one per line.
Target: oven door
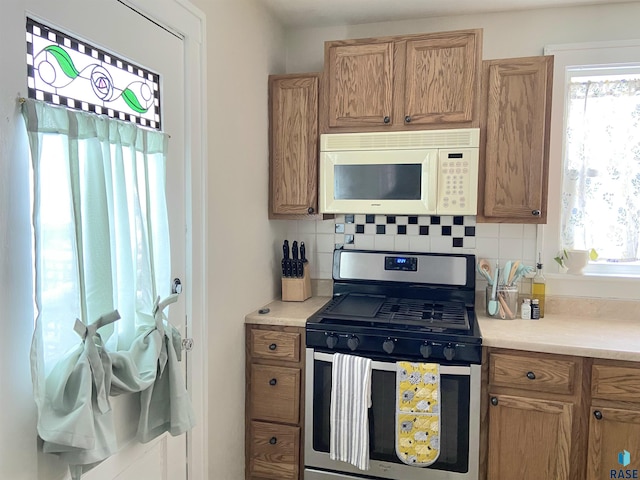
(459, 429)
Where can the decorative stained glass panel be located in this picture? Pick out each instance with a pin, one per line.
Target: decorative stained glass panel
(63, 70)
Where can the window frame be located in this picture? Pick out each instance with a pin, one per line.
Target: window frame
(611, 281)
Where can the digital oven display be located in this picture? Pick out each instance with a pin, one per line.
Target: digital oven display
(405, 264)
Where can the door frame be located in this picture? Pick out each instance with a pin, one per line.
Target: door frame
(188, 22)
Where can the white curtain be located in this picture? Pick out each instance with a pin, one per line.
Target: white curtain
(102, 283)
(601, 191)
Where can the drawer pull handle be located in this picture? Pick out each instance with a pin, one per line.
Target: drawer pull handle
(494, 401)
(273, 440)
(386, 119)
(273, 346)
(597, 414)
(273, 381)
(531, 375)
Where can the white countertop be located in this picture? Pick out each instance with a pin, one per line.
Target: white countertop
(565, 333)
(613, 338)
(293, 314)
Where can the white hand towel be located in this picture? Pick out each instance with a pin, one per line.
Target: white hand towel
(350, 402)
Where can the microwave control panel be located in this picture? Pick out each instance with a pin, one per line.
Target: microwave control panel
(457, 181)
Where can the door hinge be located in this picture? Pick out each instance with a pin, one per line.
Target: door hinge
(187, 344)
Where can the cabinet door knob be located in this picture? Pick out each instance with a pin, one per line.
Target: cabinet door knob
(494, 401)
(407, 119)
(273, 381)
(386, 119)
(311, 210)
(273, 346)
(273, 440)
(597, 414)
(531, 375)
(536, 213)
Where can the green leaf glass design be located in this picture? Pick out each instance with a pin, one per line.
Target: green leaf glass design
(132, 101)
(64, 60)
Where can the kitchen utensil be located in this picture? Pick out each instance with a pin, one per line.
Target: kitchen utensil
(506, 271)
(303, 258)
(492, 306)
(512, 272)
(484, 269)
(504, 307)
(295, 262)
(285, 258)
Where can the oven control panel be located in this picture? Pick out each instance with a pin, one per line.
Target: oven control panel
(405, 264)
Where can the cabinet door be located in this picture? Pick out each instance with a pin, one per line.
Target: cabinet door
(529, 439)
(442, 78)
(515, 119)
(612, 431)
(359, 84)
(293, 146)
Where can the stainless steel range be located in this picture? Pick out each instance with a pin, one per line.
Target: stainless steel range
(390, 307)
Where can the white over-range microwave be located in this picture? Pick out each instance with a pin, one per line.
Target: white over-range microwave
(426, 172)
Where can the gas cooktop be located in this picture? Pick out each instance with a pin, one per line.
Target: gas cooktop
(402, 305)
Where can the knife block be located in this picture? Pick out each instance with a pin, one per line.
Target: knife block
(297, 289)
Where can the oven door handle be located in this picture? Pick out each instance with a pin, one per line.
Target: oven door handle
(391, 366)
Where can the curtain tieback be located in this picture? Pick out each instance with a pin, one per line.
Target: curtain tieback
(91, 350)
(159, 315)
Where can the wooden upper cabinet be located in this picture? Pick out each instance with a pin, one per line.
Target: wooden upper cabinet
(293, 145)
(514, 150)
(442, 79)
(402, 82)
(360, 88)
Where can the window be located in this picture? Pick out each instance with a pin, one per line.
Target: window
(601, 177)
(594, 171)
(63, 70)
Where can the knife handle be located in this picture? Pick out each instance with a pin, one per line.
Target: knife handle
(294, 250)
(284, 267)
(303, 252)
(285, 249)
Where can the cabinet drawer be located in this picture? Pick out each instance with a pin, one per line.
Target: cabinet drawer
(275, 345)
(275, 393)
(610, 382)
(532, 373)
(275, 451)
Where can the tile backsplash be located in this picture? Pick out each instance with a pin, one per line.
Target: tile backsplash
(438, 234)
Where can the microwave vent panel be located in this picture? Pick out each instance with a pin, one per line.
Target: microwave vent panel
(412, 140)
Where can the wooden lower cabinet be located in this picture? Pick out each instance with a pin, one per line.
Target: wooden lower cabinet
(274, 402)
(275, 451)
(536, 416)
(529, 438)
(614, 421)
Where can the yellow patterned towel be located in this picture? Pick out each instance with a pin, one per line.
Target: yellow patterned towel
(418, 413)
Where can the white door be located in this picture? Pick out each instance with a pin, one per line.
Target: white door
(114, 27)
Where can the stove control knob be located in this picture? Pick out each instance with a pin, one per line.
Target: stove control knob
(425, 350)
(388, 345)
(332, 340)
(449, 352)
(353, 342)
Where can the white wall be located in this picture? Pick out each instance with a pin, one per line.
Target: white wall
(244, 45)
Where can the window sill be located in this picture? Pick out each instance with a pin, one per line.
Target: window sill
(593, 285)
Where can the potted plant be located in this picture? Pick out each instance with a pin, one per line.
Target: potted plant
(574, 260)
